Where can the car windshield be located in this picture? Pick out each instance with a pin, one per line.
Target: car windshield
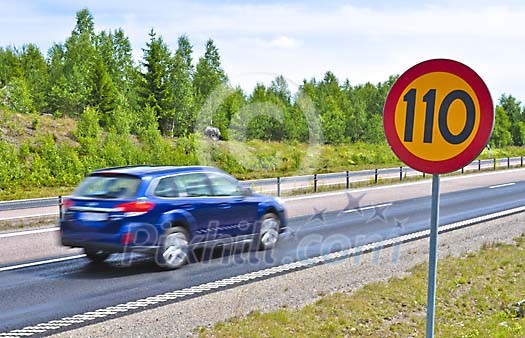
(108, 187)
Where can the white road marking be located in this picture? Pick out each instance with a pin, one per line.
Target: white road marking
(367, 208)
(501, 185)
(145, 303)
(25, 265)
(28, 232)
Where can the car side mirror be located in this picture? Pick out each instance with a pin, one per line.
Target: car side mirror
(245, 191)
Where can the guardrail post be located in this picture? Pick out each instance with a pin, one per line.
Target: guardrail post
(60, 203)
(315, 182)
(494, 163)
(279, 186)
(479, 165)
(521, 161)
(400, 173)
(347, 179)
(375, 176)
(508, 162)
(424, 174)
(463, 170)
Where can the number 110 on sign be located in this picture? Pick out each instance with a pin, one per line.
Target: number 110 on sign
(443, 113)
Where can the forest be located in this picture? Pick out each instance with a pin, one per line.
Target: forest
(153, 110)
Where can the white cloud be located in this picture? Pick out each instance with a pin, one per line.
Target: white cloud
(283, 42)
(302, 39)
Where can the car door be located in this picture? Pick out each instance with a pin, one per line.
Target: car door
(235, 213)
(193, 193)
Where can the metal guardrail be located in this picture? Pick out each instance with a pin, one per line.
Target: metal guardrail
(29, 203)
(279, 184)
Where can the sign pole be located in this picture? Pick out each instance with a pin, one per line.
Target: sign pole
(433, 256)
(423, 112)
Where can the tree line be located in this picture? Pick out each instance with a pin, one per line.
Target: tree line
(93, 77)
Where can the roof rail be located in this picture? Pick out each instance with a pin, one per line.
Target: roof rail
(123, 167)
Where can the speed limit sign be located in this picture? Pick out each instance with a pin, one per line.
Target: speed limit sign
(438, 116)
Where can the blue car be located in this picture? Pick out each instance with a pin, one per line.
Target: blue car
(167, 211)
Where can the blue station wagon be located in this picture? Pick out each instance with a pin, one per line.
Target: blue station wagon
(167, 211)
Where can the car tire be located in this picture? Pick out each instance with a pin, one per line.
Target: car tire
(173, 252)
(96, 256)
(268, 235)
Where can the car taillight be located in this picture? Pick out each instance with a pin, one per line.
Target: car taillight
(66, 204)
(135, 208)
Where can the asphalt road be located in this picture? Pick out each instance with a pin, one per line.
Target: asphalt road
(319, 224)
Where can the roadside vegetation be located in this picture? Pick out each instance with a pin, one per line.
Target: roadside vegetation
(89, 104)
(477, 296)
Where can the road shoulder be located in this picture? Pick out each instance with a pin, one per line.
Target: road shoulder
(300, 288)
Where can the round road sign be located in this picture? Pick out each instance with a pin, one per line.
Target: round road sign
(438, 116)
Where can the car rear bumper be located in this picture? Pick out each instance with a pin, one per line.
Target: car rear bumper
(109, 247)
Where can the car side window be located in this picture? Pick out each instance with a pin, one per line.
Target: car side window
(193, 185)
(224, 186)
(166, 188)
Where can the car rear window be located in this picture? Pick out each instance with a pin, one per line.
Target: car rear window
(108, 187)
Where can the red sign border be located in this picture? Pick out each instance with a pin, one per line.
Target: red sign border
(486, 116)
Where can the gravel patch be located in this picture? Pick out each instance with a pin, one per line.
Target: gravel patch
(300, 288)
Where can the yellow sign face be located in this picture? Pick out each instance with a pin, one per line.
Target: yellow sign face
(418, 109)
(438, 116)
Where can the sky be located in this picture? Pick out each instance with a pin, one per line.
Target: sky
(362, 41)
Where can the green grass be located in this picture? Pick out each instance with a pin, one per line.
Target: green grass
(16, 193)
(25, 223)
(476, 297)
(44, 158)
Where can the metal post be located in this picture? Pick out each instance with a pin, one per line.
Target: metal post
(315, 182)
(375, 176)
(424, 174)
(400, 173)
(508, 162)
(479, 165)
(432, 267)
(347, 179)
(60, 203)
(463, 170)
(521, 161)
(494, 163)
(278, 186)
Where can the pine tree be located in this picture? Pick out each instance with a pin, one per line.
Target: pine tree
(181, 89)
(208, 75)
(513, 110)
(71, 70)
(501, 135)
(156, 85)
(10, 66)
(114, 48)
(104, 93)
(34, 68)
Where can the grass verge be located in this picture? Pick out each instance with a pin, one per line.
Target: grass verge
(16, 193)
(30, 222)
(477, 296)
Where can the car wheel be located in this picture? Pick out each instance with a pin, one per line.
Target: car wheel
(269, 233)
(96, 256)
(173, 252)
